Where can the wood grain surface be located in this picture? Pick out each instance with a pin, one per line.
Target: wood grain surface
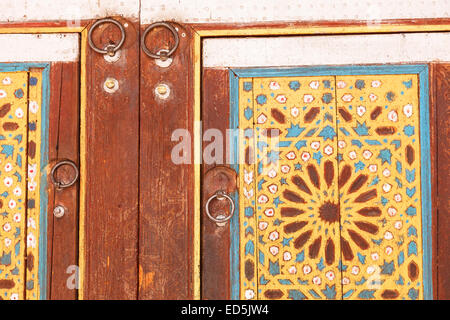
(442, 87)
(63, 145)
(112, 146)
(139, 204)
(215, 241)
(166, 195)
(322, 23)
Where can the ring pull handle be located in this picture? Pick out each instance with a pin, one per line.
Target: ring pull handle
(112, 48)
(220, 220)
(59, 184)
(163, 54)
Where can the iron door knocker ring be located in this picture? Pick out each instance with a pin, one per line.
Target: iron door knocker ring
(60, 184)
(112, 48)
(163, 55)
(220, 195)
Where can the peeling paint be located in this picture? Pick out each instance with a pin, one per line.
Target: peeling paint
(145, 278)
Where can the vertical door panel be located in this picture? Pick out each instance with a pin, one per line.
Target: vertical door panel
(35, 194)
(296, 194)
(63, 144)
(330, 187)
(112, 153)
(248, 232)
(27, 141)
(166, 188)
(13, 185)
(34, 139)
(215, 257)
(380, 186)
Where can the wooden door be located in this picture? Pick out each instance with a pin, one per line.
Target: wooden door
(330, 176)
(39, 112)
(333, 188)
(35, 243)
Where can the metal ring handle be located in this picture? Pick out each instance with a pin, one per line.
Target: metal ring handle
(150, 28)
(219, 195)
(59, 184)
(111, 48)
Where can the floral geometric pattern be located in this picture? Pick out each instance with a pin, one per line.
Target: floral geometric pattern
(381, 221)
(330, 188)
(20, 99)
(34, 177)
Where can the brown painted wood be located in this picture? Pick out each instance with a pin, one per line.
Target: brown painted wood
(321, 23)
(112, 149)
(220, 178)
(45, 24)
(63, 144)
(166, 189)
(442, 99)
(214, 26)
(215, 244)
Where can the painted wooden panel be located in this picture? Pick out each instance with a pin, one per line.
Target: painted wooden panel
(247, 223)
(332, 184)
(296, 187)
(14, 184)
(379, 146)
(35, 213)
(22, 245)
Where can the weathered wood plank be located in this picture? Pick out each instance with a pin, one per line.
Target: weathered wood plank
(112, 146)
(63, 144)
(166, 189)
(215, 240)
(442, 80)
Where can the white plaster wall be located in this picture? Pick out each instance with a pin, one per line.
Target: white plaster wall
(39, 47)
(213, 11)
(41, 10)
(326, 50)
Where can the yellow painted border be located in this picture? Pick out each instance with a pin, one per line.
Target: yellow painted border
(83, 32)
(197, 161)
(82, 192)
(202, 32)
(316, 30)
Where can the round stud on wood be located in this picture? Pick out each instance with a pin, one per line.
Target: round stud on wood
(59, 211)
(111, 85)
(162, 91)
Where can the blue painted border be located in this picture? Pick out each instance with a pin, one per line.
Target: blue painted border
(425, 172)
(421, 70)
(234, 224)
(45, 106)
